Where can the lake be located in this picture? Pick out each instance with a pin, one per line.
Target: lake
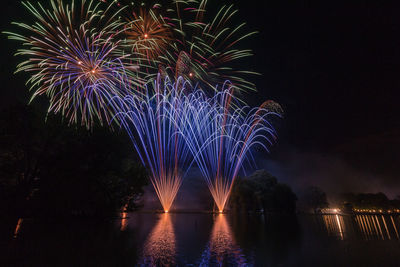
(203, 239)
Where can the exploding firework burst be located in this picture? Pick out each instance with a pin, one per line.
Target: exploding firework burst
(146, 33)
(188, 40)
(221, 138)
(71, 61)
(152, 124)
(206, 45)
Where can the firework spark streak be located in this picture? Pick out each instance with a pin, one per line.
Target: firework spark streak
(152, 124)
(71, 61)
(220, 137)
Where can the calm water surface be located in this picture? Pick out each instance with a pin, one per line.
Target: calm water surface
(184, 239)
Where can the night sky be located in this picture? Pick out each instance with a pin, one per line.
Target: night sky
(334, 66)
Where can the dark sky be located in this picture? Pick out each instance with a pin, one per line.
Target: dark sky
(334, 66)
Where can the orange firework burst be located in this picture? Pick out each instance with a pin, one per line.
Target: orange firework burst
(147, 33)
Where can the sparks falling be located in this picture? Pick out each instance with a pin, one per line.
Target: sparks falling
(152, 122)
(221, 137)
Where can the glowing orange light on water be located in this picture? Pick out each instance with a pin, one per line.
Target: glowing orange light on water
(124, 221)
(222, 246)
(160, 246)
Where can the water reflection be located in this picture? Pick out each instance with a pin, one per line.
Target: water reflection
(124, 221)
(334, 225)
(394, 226)
(160, 247)
(222, 249)
(149, 239)
(368, 227)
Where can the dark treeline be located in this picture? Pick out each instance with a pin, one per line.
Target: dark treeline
(50, 168)
(312, 199)
(262, 192)
(369, 201)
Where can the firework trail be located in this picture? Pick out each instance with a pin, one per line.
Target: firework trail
(220, 137)
(72, 58)
(152, 122)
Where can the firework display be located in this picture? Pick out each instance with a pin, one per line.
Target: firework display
(146, 32)
(149, 68)
(209, 41)
(221, 137)
(152, 123)
(78, 53)
(167, 126)
(72, 58)
(187, 39)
